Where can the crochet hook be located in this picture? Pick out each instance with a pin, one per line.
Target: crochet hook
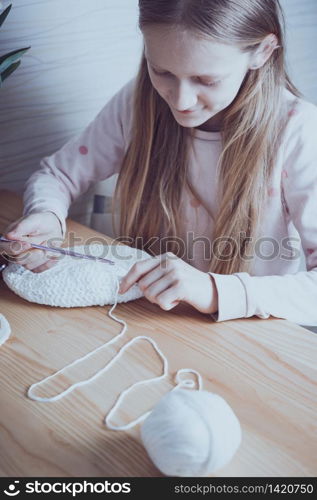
(71, 253)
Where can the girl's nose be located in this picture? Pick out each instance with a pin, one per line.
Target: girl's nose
(183, 97)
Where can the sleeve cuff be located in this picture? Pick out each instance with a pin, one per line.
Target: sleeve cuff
(232, 299)
(62, 222)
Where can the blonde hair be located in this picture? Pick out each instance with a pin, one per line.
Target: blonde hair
(154, 171)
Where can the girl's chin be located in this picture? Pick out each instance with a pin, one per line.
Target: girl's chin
(191, 121)
(197, 116)
(197, 120)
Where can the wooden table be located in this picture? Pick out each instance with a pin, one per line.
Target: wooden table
(265, 369)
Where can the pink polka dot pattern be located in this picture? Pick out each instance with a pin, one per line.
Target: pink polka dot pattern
(284, 174)
(292, 112)
(272, 191)
(310, 251)
(195, 203)
(83, 150)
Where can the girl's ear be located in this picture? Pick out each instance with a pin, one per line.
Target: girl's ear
(264, 51)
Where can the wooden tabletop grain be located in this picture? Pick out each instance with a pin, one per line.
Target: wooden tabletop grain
(265, 369)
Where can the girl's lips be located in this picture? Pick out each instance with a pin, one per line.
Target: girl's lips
(187, 112)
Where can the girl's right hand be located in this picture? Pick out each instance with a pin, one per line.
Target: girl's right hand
(42, 229)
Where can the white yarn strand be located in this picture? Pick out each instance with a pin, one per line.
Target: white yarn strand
(181, 383)
(129, 389)
(76, 361)
(188, 383)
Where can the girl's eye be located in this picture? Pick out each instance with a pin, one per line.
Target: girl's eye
(210, 84)
(207, 84)
(159, 72)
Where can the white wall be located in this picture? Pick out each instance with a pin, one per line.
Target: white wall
(301, 24)
(82, 52)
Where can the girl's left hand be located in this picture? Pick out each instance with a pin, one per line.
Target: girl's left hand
(167, 280)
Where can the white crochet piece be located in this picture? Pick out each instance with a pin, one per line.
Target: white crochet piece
(76, 282)
(5, 329)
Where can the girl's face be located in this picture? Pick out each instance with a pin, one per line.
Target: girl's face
(197, 78)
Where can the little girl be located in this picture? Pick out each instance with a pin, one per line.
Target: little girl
(216, 153)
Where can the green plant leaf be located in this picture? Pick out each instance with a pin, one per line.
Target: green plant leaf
(11, 61)
(9, 70)
(4, 14)
(7, 59)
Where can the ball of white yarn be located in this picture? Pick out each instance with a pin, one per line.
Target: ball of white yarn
(191, 433)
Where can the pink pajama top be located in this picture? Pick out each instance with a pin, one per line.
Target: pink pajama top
(275, 286)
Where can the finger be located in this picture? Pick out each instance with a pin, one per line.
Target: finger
(14, 247)
(26, 227)
(154, 290)
(11, 227)
(31, 259)
(150, 278)
(169, 298)
(33, 230)
(137, 271)
(44, 267)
